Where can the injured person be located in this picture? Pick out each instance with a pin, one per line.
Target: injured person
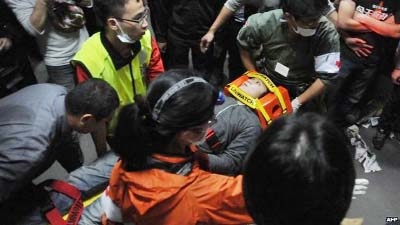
(252, 101)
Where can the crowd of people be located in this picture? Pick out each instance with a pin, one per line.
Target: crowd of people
(172, 146)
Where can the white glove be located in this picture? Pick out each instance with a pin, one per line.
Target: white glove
(296, 104)
(360, 187)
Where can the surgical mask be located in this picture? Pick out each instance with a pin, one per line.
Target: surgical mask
(122, 36)
(305, 32)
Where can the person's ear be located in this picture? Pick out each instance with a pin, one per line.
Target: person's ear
(112, 23)
(86, 119)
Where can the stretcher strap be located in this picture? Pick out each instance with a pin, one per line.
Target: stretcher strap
(270, 86)
(242, 96)
(263, 112)
(53, 215)
(246, 99)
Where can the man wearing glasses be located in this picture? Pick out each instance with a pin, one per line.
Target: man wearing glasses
(124, 53)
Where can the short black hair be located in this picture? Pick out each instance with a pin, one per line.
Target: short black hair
(308, 9)
(301, 172)
(105, 9)
(94, 96)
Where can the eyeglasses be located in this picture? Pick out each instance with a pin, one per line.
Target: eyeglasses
(201, 128)
(139, 21)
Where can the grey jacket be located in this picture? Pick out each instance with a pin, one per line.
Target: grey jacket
(237, 128)
(32, 121)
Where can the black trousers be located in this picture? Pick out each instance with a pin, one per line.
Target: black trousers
(177, 55)
(225, 43)
(351, 86)
(390, 117)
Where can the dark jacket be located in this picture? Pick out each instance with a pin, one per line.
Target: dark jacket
(15, 70)
(183, 20)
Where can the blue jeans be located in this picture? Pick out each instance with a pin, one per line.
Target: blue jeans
(26, 207)
(62, 75)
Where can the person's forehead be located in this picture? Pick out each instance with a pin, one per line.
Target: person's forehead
(256, 79)
(133, 8)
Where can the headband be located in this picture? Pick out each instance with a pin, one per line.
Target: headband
(171, 91)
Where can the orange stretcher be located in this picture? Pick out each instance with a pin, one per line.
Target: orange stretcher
(275, 103)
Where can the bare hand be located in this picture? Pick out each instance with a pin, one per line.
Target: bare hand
(359, 46)
(205, 41)
(5, 44)
(162, 46)
(396, 76)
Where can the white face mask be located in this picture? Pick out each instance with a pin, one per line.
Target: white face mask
(305, 32)
(122, 36)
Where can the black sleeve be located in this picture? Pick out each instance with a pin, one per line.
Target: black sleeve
(10, 27)
(397, 12)
(160, 14)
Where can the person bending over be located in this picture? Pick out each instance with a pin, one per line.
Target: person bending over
(158, 169)
(36, 126)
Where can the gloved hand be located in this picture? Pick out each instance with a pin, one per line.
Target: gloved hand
(360, 187)
(296, 104)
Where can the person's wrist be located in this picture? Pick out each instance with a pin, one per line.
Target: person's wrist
(300, 99)
(212, 30)
(296, 104)
(360, 17)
